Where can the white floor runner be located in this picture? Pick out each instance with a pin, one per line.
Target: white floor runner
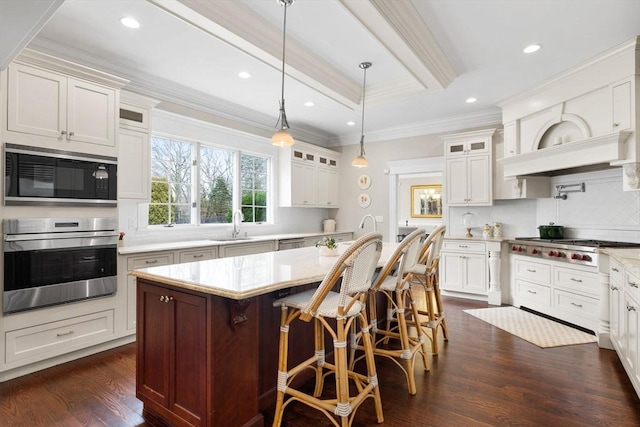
(535, 329)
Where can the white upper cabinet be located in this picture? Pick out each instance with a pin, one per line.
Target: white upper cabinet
(134, 149)
(308, 176)
(55, 104)
(468, 168)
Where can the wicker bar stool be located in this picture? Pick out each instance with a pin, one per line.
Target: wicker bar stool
(356, 267)
(425, 273)
(401, 310)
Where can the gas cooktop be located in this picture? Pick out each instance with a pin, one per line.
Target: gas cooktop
(580, 242)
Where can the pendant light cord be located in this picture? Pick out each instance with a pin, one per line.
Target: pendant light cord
(284, 41)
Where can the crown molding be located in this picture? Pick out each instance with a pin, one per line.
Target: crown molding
(393, 91)
(492, 117)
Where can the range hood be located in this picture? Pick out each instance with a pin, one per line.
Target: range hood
(596, 150)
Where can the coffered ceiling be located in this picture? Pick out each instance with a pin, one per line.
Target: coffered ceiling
(428, 56)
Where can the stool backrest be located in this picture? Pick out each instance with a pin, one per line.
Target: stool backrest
(356, 267)
(431, 248)
(405, 257)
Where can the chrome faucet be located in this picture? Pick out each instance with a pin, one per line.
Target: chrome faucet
(364, 218)
(236, 223)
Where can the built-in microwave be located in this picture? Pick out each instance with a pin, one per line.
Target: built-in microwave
(40, 176)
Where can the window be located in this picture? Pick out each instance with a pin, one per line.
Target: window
(195, 183)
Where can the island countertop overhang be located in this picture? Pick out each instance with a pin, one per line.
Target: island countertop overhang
(249, 276)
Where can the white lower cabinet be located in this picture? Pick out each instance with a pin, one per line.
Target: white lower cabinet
(56, 338)
(569, 293)
(624, 301)
(240, 249)
(133, 262)
(463, 267)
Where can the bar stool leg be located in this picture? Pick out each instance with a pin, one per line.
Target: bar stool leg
(320, 355)
(371, 368)
(282, 366)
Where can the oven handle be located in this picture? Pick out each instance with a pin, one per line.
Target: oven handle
(58, 236)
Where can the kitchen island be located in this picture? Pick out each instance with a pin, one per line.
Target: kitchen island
(208, 334)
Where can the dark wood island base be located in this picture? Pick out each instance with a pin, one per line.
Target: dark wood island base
(206, 360)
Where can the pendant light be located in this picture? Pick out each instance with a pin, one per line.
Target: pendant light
(282, 138)
(361, 161)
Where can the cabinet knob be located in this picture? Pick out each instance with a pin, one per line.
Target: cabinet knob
(166, 298)
(63, 132)
(631, 308)
(633, 284)
(616, 124)
(71, 133)
(613, 288)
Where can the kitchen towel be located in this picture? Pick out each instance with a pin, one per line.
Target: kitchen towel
(530, 327)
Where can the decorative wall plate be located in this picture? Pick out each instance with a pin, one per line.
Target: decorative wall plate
(364, 182)
(364, 200)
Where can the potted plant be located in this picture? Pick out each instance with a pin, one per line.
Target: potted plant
(328, 247)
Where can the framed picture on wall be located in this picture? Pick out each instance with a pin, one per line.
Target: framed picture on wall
(426, 201)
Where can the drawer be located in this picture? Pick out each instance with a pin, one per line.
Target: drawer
(632, 284)
(616, 272)
(539, 294)
(532, 271)
(583, 282)
(198, 255)
(576, 304)
(464, 246)
(52, 339)
(149, 261)
(247, 248)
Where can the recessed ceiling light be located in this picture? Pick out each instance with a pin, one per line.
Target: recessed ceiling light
(471, 100)
(532, 48)
(309, 104)
(244, 75)
(351, 123)
(130, 22)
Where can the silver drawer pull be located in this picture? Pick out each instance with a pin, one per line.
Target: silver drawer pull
(532, 292)
(198, 256)
(463, 246)
(151, 261)
(613, 288)
(631, 308)
(64, 334)
(576, 305)
(633, 284)
(530, 270)
(615, 269)
(576, 280)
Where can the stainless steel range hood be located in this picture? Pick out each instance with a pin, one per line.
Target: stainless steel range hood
(598, 150)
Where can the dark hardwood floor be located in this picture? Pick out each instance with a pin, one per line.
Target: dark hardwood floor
(482, 377)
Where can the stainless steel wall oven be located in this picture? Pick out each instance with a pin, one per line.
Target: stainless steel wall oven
(51, 261)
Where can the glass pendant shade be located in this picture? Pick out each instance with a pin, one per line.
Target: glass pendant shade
(360, 162)
(282, 138)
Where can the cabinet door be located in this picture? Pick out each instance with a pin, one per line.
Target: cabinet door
(91, 113)
(37, 101)
(475, 280)
(133, 166)
(153, 364)
(621, 95)
(452, 271)
(478, 180)
(616, 307)
(327, 188)
(456, 181)
(172, 356)
(297, 184)
(632, 353)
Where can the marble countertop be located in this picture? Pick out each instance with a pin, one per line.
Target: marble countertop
(189, 244)
(628, 257)
(478, 238)
(250, 275)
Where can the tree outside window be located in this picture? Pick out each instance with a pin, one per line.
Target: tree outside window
(178, 168)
